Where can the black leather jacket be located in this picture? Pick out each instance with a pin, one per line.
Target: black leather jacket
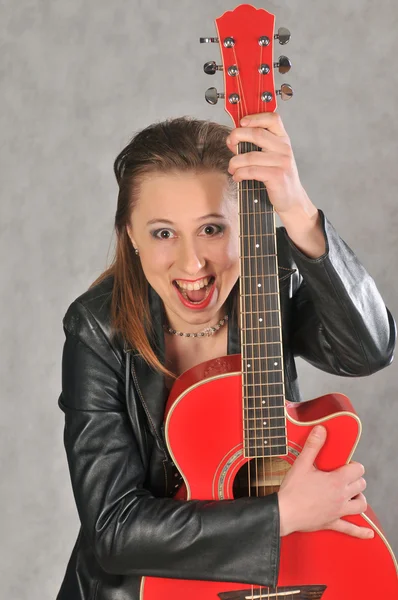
(122, 476)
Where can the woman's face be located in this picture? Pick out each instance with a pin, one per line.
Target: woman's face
(186, 230)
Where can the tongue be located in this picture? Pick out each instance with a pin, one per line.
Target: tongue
(196, 295)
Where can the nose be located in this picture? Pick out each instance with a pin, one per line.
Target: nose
(190, 259)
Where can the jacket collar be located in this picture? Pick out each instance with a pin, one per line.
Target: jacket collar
(152, 383)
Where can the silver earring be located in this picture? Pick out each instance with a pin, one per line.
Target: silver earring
(136, 251)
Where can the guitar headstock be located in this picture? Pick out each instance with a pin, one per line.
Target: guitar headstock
(246, 39)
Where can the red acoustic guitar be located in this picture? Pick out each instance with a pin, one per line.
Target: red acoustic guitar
(254, 435)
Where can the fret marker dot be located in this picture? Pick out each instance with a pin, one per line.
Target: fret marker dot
(255, 200)
(259, 285)
(249, 366)
(260, 319)
(275, 364)
(257, 245)
(265, 442)
(263, 401)
(265, 422)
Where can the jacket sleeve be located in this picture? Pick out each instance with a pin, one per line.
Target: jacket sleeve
(340, 323)
(131, 531)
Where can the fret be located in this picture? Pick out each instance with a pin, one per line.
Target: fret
(261, 303)
(257, 412)
(262, 379)
(268, 274)
(253, 406)
(259, 376)
(250, 312)
(258, 360)
(248, 206)
(255, 244)
(261, 336)
(261, 264)
(262, 397)
(274, 414)
(263, 432)
(262, 401)
(254, 395)
(250, 443)
(262, 443)
(260, 344)
(266, 452)
(272, 350)
(251, 320)
(254, 214)
(276, 293)
(257, 300)
(260, 382)
(255, 255)
(262, 332)
(263, 329)
(257, 423)
(271, 406)
(281, 428)
(249, 372)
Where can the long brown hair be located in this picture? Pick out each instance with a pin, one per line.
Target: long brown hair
(181, 144)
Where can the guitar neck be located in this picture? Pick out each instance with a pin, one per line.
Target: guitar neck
(261, 334)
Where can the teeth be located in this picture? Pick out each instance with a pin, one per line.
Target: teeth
(193, 286)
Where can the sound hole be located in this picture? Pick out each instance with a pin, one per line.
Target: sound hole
(260, 477)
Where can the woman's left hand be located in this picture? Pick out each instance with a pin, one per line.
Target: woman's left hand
(276, 167)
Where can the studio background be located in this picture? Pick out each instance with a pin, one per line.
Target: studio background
(78, 78)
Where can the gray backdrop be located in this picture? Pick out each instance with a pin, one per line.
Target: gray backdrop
(78, 78)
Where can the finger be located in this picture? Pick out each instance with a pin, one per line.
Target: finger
(351, 472)
(267, 120)
(356, 506)
(260, 137)
(259, 159)
(356, 487)
(350, 529)
(312, 446)
(263, 174)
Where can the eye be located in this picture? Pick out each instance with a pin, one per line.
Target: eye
(156, 233)
(219, 229)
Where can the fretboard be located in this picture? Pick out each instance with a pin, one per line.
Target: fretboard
(261, 338)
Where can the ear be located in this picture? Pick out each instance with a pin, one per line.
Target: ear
(130, 234)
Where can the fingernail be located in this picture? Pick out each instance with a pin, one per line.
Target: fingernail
(228, 140)
(318, 431)
(370, 533)
(244, 121)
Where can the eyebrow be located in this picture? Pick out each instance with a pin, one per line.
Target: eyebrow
(210, 215)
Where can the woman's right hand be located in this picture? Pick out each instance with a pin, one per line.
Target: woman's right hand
(310, 499)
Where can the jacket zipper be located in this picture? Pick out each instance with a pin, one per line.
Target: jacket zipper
(153, 429)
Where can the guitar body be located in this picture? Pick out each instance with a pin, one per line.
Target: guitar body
(204, 435)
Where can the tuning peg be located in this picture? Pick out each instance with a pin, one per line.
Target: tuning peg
(283, 35)
(212, 95)
(284, 65)
(211, 67)
(286, 91)
(208, 40)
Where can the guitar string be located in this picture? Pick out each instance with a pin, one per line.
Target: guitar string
(257, 188)
(242, 308)
(264, 297)
(240, 186)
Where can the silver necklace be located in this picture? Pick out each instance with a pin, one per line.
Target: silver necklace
(207, 331)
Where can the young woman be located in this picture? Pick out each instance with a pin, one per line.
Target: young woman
(175, 273)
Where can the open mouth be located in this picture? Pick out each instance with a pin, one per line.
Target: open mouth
(196, 296)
